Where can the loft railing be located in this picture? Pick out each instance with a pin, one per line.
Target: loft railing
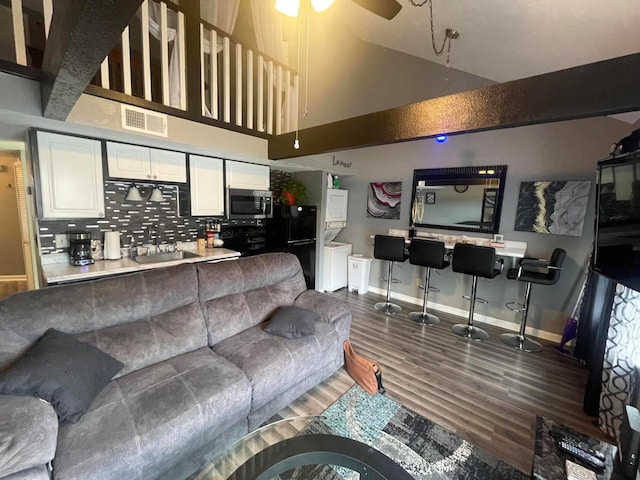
(30, 27)
(248, 89)
(243, 89)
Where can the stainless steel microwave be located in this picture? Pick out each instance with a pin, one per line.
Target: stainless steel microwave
(249, 203)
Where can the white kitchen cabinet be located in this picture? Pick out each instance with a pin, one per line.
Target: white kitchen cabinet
(337, 203)
(143, 163)
(249, 176)
(206, 186)
(168, 166)
(71, 182)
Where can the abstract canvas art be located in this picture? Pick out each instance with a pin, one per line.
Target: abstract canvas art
(556, 208)
(383, 200)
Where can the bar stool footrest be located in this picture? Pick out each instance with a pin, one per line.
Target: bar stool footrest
(431, 289)
(478, 299)
(514, 306)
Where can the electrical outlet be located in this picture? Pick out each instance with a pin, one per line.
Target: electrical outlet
(62, 240)
(417, 282)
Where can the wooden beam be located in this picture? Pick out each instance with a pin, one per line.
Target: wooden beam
(82, 34)
(600, 88)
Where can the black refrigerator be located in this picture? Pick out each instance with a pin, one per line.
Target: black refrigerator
(293, 229)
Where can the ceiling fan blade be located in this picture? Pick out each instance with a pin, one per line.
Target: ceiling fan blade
(384, 8)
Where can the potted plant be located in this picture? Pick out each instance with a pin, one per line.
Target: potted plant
(294, 192)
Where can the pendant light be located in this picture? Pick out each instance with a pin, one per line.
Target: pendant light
(156, 195)
(133, 195)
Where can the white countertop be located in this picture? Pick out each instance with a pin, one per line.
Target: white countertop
(63, 272)
(510, 249)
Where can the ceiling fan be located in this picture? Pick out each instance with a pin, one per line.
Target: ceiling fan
(383, 8)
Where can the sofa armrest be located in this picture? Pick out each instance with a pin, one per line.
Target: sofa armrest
(331, 310)
(28, 434)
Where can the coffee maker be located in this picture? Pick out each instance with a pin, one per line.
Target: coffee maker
(80, 247)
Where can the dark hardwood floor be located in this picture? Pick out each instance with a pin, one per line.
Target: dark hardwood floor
(486, 392)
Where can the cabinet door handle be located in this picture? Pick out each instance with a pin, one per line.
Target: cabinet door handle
(155, 177)
(101, 214)
(148, 176)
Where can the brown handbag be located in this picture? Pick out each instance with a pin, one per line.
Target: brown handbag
(365, 372)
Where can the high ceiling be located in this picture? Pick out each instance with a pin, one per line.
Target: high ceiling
(505, 40)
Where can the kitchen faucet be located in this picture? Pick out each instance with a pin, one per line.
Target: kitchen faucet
(153, 232)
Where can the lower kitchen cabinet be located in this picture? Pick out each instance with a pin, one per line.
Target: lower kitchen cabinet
(70, 174)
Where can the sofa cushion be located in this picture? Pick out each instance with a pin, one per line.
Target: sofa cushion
(292, 322)
(63, 371)
(144, 422)
(273, 364)
(95, 305)
(149, 340)
(28, 434)
(241, 294)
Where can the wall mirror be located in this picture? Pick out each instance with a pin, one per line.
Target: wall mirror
(465, 198)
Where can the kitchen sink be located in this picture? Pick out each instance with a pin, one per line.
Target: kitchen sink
(165, 257)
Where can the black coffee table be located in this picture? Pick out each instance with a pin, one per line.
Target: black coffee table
(282, 446)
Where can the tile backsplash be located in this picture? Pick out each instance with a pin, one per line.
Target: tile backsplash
(133, 219)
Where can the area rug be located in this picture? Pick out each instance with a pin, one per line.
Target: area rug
(423, 448)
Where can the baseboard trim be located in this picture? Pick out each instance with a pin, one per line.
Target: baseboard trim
(13, 278)
(497, 322)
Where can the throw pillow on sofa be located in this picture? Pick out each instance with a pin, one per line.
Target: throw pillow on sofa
(65, 372)
(292, 322)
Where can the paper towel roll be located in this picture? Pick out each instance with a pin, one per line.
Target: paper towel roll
(112, 245)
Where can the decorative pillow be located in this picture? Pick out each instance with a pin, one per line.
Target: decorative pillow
(63, 371)
(292, 322)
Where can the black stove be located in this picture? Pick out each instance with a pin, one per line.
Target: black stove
(246, 239)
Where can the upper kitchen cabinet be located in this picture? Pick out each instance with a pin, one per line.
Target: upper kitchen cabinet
(70, 173)
(143, 163)
(337, 203)
(247, 175)
(206, 186)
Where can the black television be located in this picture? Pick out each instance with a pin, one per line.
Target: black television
(617, 234)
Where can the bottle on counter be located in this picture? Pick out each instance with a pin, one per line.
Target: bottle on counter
(209, 234)
(133, 249)
(200, 239)
(336, 182)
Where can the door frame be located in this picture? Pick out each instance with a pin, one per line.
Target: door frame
(31, 256)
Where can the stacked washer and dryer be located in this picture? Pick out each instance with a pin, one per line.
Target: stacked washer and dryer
(335, 253)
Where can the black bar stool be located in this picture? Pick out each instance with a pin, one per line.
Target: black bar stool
(531, 270)
(391, 248)
(430, 254)
(478, 262)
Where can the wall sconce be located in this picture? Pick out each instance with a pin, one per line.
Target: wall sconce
(139, 193)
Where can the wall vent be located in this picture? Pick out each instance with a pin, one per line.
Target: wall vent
(144, 121)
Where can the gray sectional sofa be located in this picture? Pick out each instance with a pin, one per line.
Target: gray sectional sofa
(199, 369)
